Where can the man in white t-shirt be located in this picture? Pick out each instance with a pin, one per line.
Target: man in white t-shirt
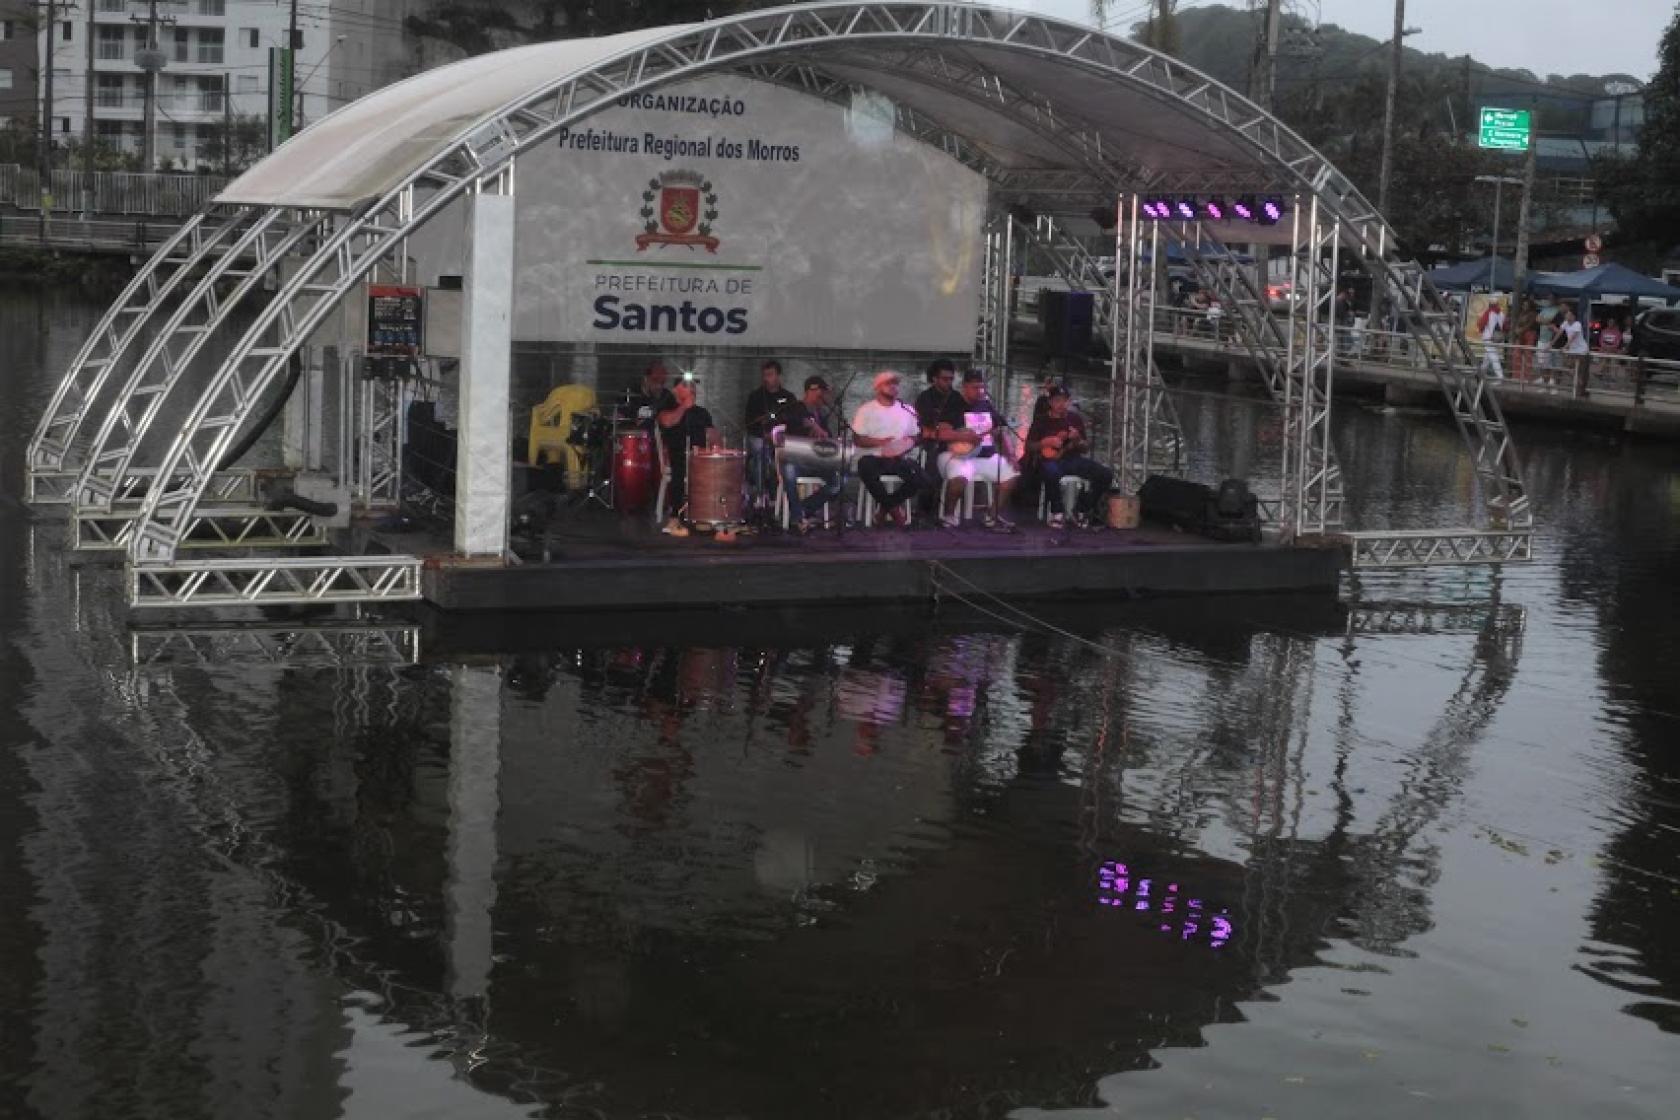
(886, 428)
(979, 450)
(1493, 326)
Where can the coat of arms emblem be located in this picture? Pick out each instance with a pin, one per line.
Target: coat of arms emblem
(678, 208)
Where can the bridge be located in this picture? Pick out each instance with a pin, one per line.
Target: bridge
(126, 213)
(1638, 395)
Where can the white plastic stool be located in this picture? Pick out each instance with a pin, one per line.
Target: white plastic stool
(1070, 501)
(968, 496)
(866, 505)
(806, 485)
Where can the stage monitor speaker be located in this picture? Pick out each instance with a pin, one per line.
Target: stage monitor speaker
(1230, 513)
(1066, 319)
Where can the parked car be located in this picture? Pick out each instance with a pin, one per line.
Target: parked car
(1656, 334)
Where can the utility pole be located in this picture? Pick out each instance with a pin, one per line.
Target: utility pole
(1394, 61)
(44, 162)
(150, 63)
(87, 119)
(1274, 28)
(227, 125)
(1520, 264)
(296, 108)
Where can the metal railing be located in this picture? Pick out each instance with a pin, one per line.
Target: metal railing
(67, 231)
(1515, 367)
(114, 192)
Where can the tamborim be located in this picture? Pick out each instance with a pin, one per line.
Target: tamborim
(716, 482)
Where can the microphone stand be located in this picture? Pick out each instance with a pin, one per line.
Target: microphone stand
(846, 437)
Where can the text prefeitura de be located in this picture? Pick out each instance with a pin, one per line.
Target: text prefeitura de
(676, 147)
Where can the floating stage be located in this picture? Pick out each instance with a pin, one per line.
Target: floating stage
(608, 563)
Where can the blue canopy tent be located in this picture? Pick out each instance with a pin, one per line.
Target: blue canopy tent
(1474, 274)
(1605, 280)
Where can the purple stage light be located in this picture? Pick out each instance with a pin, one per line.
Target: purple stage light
(1244, 209)
(1215, 209)
(1187, 209)
(1272, 211)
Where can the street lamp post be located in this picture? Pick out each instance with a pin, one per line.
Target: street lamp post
(1498, 182)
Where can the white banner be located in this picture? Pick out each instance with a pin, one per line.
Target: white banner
(729, 212)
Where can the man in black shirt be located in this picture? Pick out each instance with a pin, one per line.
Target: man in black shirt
(649, 397)
(810, 418)
(1060, 443)
(681, 427)
(767, 408)
(938, 403)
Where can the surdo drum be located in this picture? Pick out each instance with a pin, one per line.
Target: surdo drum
(716, 483)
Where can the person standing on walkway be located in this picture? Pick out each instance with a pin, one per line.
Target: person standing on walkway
(1492, 324)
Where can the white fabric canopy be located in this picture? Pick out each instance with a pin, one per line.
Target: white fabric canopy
(369, 147)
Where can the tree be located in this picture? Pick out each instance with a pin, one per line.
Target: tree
(476, 26)
(1643, 191)
(245, 141)
(1159, 30)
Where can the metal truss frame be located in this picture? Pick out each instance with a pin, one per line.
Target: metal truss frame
(996, 276)
(483, 151)
(1307, 469)
(1138, 396)
(151, 288)
(166, 362)
(1278, 349)
(1435, 618)
(1427, 548)
(232, 487)
(356, 644)
(380, 420)
(275, 581)
(212, 527)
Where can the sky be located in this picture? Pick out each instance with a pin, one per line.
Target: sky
(1619, 36)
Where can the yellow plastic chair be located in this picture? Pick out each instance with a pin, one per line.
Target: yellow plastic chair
(551, 426)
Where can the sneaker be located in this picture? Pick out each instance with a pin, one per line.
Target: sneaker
(951, 520)
(675, 528)
(1056, 521)
(1000, 525)
(899, 516)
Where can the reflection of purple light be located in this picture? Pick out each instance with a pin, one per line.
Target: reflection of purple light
(1114, 881)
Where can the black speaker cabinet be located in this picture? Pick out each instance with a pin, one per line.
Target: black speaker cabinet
(1066, 318)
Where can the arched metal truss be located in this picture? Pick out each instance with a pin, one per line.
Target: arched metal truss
(926, 43)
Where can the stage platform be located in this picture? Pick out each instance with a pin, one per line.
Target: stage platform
(602, 562)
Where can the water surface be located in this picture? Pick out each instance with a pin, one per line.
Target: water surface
(1415, 856)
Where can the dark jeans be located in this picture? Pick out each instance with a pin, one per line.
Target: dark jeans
(1077, 466)
(812, 506)
(873, 468)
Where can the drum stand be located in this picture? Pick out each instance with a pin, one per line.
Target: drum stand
(600, 488)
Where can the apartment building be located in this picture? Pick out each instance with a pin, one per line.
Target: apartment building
(215, 56)
(17, 64)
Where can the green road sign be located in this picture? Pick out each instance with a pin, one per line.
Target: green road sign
(1505, 129)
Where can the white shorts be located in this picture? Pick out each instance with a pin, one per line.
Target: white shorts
(995, 468)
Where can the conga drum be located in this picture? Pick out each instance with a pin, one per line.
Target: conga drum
(716, 481)
(635, 471)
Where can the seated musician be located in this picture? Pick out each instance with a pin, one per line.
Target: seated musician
(811, 418)
(940, 401)
(767, 408)
(977, 448)
(649, 397)
(886, 428)
(1061, 444)
(683, 426)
